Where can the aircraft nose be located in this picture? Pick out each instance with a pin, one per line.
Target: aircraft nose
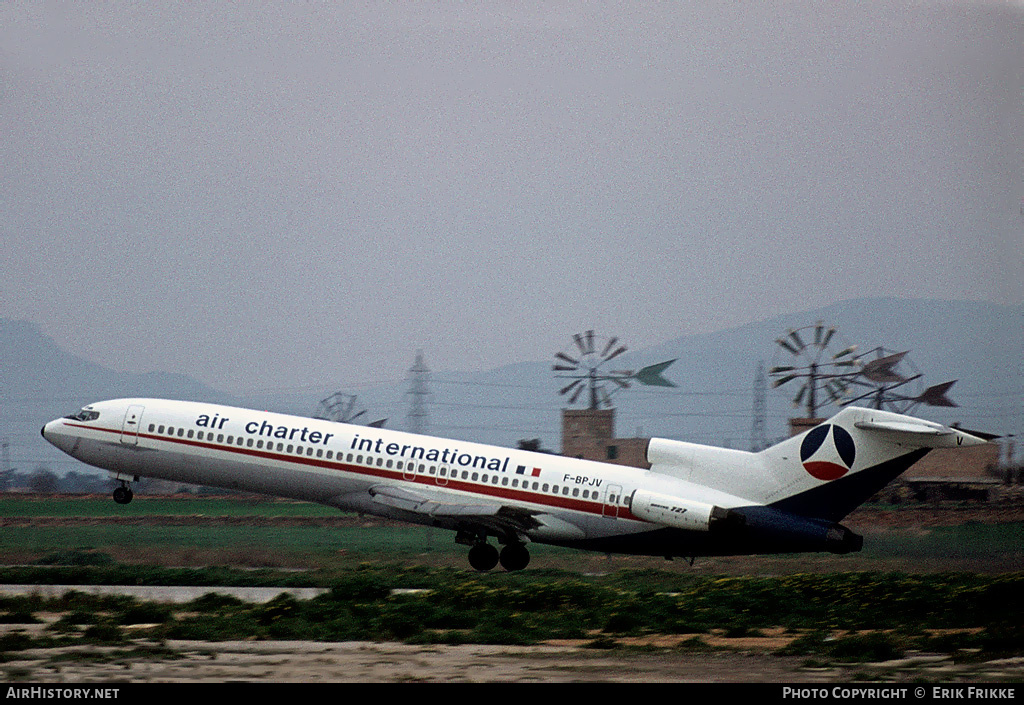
(51, 432)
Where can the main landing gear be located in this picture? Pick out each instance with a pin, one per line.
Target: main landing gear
(123, 493)
(483, 556)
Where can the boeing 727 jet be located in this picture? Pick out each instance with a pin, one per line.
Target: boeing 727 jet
(695, 500)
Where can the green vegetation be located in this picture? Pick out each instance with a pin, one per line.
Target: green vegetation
(381, 586)
(846, 617)
(100, 506)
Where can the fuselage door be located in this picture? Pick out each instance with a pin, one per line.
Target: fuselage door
(612, 498)
(130, 427)
(409, 471)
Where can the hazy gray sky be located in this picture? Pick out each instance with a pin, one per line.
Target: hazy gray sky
(277, 194)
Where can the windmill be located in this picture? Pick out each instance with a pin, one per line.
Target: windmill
(831, 371)
(586, 364)
(892, 382)
(344, 408)
(820, 360)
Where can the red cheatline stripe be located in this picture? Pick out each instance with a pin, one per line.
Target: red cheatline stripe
(588, 507)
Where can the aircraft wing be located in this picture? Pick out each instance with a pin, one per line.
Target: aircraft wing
(427, 502)
(492, 515)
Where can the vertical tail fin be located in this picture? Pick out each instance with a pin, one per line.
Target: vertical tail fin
(838, 465)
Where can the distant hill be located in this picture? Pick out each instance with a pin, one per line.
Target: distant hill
(979, 344)
(39, 381)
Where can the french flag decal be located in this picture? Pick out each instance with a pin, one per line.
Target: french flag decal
(521, 470)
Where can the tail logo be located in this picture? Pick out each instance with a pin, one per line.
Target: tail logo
(827, 452)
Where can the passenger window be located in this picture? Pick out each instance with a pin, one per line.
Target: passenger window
(151, 428)
(199, 435)
(161, 430)
(190, 433)
(231, 440)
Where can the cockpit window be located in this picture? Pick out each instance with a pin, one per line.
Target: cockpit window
(84, 415)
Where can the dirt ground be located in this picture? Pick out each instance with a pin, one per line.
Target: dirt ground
(369, 662)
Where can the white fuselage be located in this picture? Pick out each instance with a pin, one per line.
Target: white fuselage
(695, 500)
(343, 465)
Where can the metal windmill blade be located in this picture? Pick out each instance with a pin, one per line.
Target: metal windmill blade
(585, 365)
(817, 358)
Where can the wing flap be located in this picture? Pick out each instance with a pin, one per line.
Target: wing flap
(492, 516)
(429, 503)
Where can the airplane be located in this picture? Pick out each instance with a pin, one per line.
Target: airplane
(694, 500)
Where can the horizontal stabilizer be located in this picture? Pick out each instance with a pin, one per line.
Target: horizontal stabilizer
(921, 434)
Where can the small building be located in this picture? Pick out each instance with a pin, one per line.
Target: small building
(590, 434)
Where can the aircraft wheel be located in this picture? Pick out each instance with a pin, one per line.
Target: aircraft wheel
(483, 557)
(514, 557)
(123, 495)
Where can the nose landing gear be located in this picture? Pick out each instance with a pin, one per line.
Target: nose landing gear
(123, 494)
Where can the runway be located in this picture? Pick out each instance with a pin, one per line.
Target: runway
(164, 593)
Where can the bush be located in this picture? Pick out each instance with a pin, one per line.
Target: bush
(146, 613)
(104, 632)
(870, 647)
(15, 641)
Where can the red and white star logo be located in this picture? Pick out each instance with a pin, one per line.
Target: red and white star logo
(827, 452)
